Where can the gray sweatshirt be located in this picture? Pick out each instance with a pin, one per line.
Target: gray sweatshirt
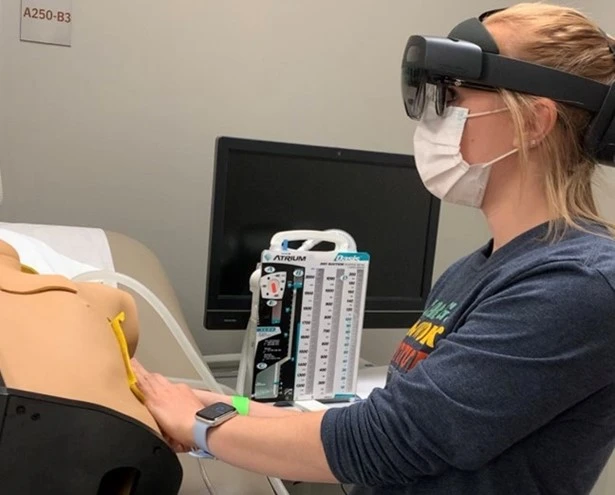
(505, 385)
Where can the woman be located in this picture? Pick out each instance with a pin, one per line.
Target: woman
(507, 382)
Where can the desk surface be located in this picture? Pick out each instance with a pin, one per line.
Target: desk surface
(369, 378)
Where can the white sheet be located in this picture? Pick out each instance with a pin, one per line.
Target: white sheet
(68, 251)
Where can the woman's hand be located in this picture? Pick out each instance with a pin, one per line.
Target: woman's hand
(176, 446)
(173, 405)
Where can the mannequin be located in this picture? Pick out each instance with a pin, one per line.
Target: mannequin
(62, 338)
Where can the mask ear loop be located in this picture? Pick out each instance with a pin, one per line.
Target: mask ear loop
(488, 112)
(500, 158)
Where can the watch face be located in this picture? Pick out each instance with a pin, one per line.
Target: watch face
(211, 413)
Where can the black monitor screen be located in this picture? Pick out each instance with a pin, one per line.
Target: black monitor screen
(262, 188)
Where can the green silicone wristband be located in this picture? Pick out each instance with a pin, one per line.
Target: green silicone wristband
(242, 404)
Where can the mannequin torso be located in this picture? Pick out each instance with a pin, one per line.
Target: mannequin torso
(56, 338)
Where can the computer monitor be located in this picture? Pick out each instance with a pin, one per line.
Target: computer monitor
(262, 187)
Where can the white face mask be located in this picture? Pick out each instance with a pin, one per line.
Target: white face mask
(437, 153)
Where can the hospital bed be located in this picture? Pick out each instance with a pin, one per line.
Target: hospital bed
(157, 349)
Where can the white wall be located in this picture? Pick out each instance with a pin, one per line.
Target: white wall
(118, 130)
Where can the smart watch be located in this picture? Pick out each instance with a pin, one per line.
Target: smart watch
(207, 418)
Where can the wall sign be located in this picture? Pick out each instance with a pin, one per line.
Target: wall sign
(47, 21)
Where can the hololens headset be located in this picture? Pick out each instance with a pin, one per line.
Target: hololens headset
(469, 57)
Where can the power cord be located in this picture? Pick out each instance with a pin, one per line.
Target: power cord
(206, 479)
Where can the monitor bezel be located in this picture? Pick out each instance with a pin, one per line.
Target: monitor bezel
(229, 314)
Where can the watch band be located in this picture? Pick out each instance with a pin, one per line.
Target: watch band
(213, 415)
(199, 436)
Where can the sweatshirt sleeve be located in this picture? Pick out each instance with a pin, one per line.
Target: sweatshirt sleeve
(519, 359)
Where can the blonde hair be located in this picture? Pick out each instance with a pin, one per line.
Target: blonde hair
(562, 38)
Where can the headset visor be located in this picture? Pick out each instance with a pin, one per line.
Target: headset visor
(469, 57)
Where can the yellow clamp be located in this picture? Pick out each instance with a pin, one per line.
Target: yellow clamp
(28, 269)
(116, 324)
